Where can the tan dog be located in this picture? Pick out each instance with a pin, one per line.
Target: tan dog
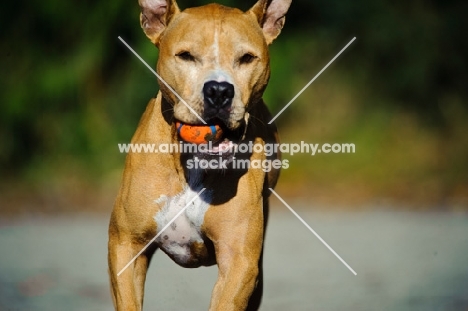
(216, 58)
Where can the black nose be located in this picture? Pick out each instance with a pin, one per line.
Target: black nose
(218, 94)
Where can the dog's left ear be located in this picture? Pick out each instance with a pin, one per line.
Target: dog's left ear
(155, 16)
(270, 15)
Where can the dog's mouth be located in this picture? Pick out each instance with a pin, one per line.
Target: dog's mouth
(213, 140)
(225, 149)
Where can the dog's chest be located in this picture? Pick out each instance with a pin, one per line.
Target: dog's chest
(181, 218)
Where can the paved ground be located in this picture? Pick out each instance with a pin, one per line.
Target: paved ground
(404, 261)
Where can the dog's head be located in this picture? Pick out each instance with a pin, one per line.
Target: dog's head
(214, 57)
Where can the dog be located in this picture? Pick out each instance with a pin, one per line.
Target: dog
(213, 69)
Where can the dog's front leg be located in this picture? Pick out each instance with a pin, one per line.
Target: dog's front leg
(236, 229)
(238, 249)
(128, 287)
(237, 279)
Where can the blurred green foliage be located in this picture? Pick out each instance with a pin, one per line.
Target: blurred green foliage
(71, 91)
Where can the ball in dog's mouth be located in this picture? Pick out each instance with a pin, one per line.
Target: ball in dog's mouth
(211, 135)
(199, 134)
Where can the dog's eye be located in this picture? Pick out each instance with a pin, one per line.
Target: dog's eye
(247, 58)
(185, 55)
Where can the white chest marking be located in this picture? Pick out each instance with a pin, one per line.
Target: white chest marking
(185, 229)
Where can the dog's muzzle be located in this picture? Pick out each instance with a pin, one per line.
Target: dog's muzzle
(217, 100)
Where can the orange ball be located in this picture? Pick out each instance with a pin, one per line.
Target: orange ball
(199, 134)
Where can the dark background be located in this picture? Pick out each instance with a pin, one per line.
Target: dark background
(71, 91)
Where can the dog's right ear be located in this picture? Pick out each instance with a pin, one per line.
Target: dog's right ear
(155, 16)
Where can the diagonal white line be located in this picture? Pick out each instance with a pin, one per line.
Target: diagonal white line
(313, 231)
(311, 81)
(160, 232)
(162, 80)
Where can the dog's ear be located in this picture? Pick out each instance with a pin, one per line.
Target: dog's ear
(270, 14)
(155, 16)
